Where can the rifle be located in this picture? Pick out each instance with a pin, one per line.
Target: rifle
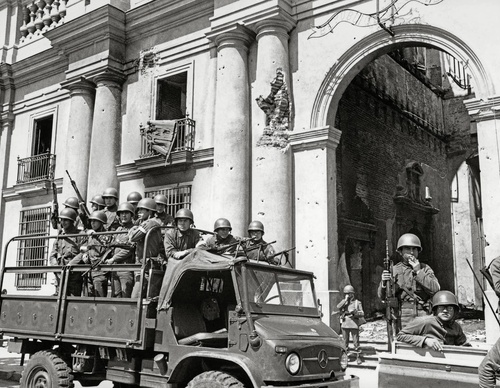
(83, 206)
(222, 248)
(284, 253)
(54, 217)
(390, 300)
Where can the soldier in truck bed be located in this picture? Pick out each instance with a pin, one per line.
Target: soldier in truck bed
(265, 252)
(222, 241)
(414, 282)
(181, 241)
(110, 196)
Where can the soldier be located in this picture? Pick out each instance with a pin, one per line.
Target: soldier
(414, 282)
(65, 249)
(489, 367)
(122, 282)
(110, 196)
(133, 198)
(97, 251)
(351, 317)
(97, 203)
(222, 241)
(179, 242)
(262, 251)
(161, 205)
(81, 219)
(154, 251)
(439, 329)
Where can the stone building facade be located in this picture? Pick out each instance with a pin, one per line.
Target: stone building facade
(335, 123)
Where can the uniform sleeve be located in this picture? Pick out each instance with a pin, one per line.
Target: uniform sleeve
(495, 274)
(136, 233)
(54, 253)
(123, 254)
(342, 303)
(461, 338)
(412, 333)
(169, 243)
(489, 367)
(426, 278)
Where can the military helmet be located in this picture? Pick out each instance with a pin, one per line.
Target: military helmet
(68, 213)
(98, 200)
(134, 197)
(222, 223)
(184, 213)
(256, 225)
(99, 215)
(409, 240)
(160, 198)
(72, 202)
(445, 298)
(147, 203)
(348, 289)
(110, 192)
(125, 207)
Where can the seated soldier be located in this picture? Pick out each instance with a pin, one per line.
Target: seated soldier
(222, 241)
(438, 329)
(181, 241)
(257, 248)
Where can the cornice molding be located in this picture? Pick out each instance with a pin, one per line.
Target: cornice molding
(32, 189)
(314, 138)
(483, 110)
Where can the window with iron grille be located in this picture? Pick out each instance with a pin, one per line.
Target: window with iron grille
(177, 197)
(33, 222)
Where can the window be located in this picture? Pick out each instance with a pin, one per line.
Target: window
(34, 222)
(171, 97)
(42, 135)
(178, 197)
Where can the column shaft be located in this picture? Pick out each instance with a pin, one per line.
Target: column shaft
(231, 185)
(105, 146)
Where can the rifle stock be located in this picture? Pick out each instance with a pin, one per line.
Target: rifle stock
(390, 300)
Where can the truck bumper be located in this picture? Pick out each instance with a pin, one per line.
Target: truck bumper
(348, 381)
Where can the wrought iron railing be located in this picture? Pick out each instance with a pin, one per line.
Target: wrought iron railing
(183, 141)
(35, 168)
(457, 71)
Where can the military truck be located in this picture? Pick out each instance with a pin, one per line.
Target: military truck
(208, 321)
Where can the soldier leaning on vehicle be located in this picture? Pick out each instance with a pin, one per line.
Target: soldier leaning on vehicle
(122, 282)
(414, 282)
(181, 241)
(66, 248)
(222, 241)
(264, 251)
(110, 196)
(153, 251)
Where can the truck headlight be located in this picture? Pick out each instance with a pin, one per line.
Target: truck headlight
(343, 360)
(292, 363)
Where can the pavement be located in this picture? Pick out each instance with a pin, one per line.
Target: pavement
(10, 365)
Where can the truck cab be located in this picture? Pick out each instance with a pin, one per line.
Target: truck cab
(208, 321)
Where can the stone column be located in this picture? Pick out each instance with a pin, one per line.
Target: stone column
(485, 114)
(78, 135)
(271, 158)
(231, 181)
(315, 203)
(106, 133)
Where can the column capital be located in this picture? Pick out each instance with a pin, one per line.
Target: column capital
(79, 86)
(281, 24)
(483, 110)
(109, 78)
(234, 35)
(314, 138)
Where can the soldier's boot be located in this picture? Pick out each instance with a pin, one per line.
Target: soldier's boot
(359, 357)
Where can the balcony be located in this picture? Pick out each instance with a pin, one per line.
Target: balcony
(35, 168)
(155, 142)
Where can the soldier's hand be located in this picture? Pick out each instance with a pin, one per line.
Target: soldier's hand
(386, 275)
(413, 261)
(433, 343)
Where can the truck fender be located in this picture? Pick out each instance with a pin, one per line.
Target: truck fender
(240, 360)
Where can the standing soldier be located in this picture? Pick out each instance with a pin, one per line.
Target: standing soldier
(97, 251)
(161, 205)
(122, 282)
(97, 203)
(110, 196)
(155, 255)
(133, 198)
(262, 251)
(65, 249)
(223, 241)
(81, 219)
(414, 282)
(179, 242)
(351, 317)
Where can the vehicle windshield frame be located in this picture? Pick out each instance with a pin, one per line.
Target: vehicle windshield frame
(276, 272)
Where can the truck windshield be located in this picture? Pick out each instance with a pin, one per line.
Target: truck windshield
(276, 291)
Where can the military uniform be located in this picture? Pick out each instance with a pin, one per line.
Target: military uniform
(494, 269)
(220, 245)
(262, 253)
(113, 221)
(122, 282)
(176, 241)
(413, 290)
(489, 367)
(154, 251)
(63, 251)
(351, 312)
(415, 333)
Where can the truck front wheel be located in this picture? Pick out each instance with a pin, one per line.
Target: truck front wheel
(215, 379)
(45, 369)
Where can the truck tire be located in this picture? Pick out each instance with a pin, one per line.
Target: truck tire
(215, 379)
(46, 369)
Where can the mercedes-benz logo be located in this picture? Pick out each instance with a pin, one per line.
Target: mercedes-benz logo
(322, 358)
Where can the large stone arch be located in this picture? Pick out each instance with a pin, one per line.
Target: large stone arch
(379, 43)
